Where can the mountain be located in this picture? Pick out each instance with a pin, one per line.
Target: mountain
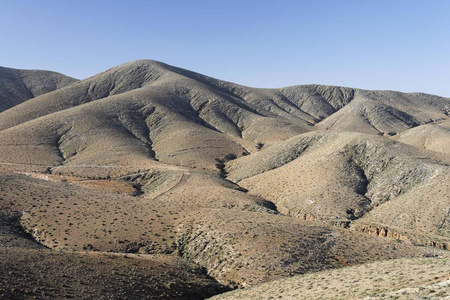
(388, 112)
(192, 172)
(142, 110)
(17, 86)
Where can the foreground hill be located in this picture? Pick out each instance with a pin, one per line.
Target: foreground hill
(31, 274)
(425, 278)
(17, 86)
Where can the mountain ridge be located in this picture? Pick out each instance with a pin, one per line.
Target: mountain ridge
(17, 86)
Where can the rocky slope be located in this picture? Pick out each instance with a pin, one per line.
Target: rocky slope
(240, 244)
(339, 177)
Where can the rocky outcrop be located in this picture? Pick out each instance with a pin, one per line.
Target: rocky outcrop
(385, 231)
(440, 245)
(380, 231)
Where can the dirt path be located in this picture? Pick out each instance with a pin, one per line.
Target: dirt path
(181, 181)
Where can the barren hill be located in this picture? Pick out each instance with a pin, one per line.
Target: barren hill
(434, 136)
(339, 177)
(224, 237)
(17, 86)
(192, 172)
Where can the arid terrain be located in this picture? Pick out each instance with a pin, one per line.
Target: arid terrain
(420, 278)
(152, 181)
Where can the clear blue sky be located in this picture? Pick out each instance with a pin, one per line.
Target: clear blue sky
(385, 44)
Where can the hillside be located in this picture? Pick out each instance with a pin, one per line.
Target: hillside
(31, 274)
(339, 177)
(214, 185)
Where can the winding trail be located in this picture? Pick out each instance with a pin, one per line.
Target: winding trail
(183, 178)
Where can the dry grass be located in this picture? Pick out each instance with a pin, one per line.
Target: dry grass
(424, 278)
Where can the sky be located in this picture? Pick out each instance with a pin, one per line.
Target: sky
(399, 45)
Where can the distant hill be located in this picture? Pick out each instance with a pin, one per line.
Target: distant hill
(17, 86)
